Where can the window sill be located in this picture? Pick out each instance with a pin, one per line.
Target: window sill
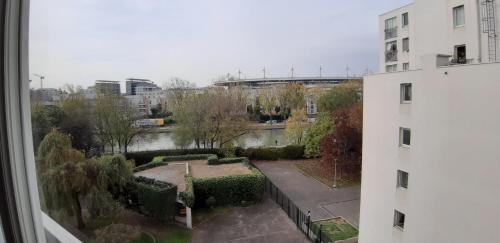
(57, 231)
(405, 102)
(459, 26)
(399, 228)
(404, 146)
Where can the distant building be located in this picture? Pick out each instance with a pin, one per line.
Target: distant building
(135, 85)
(107, 86)
(47, 96)
(313, 85)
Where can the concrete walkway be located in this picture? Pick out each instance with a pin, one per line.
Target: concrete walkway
(263, 222)
(309, 194)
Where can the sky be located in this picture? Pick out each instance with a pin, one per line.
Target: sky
(79, 41)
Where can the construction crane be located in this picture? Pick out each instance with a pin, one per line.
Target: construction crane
(41, 79)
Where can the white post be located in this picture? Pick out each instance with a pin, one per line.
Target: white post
(189, 222)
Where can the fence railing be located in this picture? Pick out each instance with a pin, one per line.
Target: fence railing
(302, 220)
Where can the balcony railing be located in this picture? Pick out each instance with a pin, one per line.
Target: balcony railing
(391, 56)
(391, 33)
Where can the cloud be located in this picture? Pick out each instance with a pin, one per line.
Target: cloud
(78, 42)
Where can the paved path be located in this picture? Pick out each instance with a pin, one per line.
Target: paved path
(309, 194)
(261, 223)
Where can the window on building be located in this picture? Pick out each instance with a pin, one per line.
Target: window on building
(399, 219)
(459, 16)
(402, 179)
(405, 93)
(391, 51)
(406, 44)
(405, 20)
(406, 66)
(460, 55)
(391, 28)
(391, 68)
(404, 137)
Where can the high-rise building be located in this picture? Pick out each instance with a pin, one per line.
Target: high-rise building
(107, 86)
(135, 85)
(431, 169)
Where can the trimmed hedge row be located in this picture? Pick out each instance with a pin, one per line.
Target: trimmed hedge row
(287, 152)
(188, 195)
(230, 190)
(228, 161)
(149, 165)
(145, 157)
(156, 199)
(183, 157)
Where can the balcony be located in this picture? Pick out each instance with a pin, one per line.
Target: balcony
(391, 56)
(391, 33)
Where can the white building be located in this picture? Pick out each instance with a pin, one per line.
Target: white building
(464, 29)
(431, 163)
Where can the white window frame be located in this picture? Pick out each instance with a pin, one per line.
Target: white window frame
(405, 48)
(405, 16)
(400, 182)
(403, 92)
(406, 66)
(401, 137)
(21, 157)
(397, 217)
(456, 11)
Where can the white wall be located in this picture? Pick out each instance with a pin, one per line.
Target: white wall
(453, 162)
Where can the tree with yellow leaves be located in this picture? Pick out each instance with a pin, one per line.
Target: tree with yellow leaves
(296, 126)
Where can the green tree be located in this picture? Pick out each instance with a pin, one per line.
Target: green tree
(291, 97)
(66, 176)
(43, 119)
(296, 126)
(318, 130)
(341, 96)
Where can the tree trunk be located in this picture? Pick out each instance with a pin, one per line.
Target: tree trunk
(78, 211)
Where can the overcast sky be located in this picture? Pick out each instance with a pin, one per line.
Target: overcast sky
(79, 41)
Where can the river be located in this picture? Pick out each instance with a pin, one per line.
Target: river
(159, 141)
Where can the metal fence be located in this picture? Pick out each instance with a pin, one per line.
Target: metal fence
(301, 219)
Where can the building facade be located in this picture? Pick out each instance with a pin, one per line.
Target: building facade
(107, 87)
(430, 142)
(465, 30)
(135, 85)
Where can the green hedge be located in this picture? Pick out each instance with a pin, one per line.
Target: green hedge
(287, 152)
(228, 161)
(230, 190)
(149, 165)
(156, 199)
(145, 157)
(188, 195)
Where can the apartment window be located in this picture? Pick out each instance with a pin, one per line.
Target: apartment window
(405, 93)
(391, 68)
(391, 51)
(399, 219)
(406, 66)
(406, 44)
(459, 16)
(402, 179)
(460, 55)
(404, 137)
(405, 20)
(391, 28)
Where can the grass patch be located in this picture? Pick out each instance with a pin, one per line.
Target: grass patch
(202, 215)
(177, 236)
(144, 238)
(323, 172)
(336, 229)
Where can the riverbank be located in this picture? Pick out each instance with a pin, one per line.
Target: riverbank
(253, 126)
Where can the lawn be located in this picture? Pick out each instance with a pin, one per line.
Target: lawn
(144, 238)
(336, 229)
(177, 236)
(323, 172)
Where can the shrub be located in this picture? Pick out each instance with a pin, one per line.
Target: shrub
(149, 165)
(144, 157)
(188, 195)
(210, 202)
(287, 152)
(212, 159)
(186, 157)
(229, 161)
(229, 190)
(156, 199)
